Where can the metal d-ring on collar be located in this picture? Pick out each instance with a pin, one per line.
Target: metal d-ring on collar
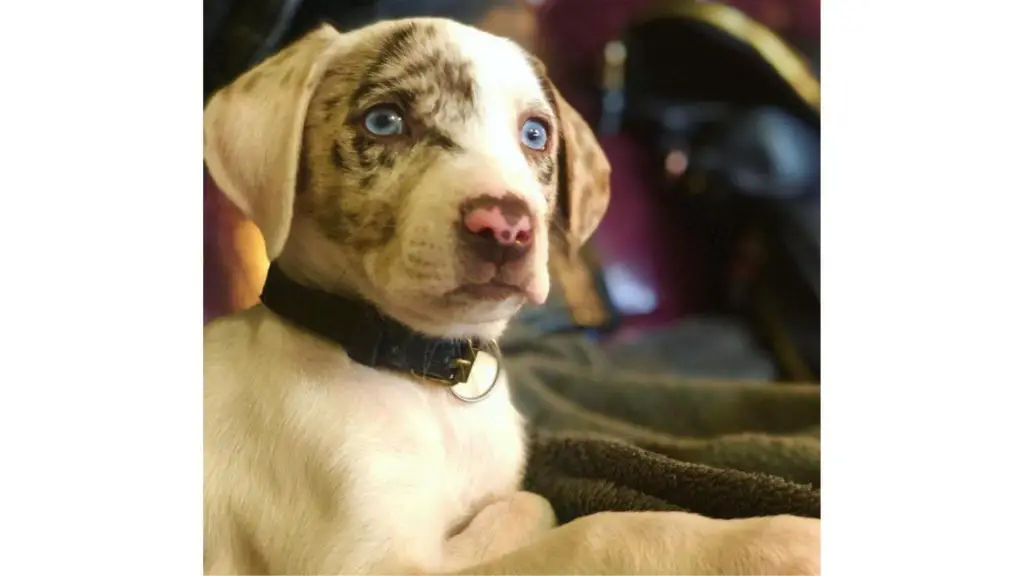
(466, 367)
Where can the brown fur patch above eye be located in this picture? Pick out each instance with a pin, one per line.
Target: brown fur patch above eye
(396, 43)
(426, 77)
(457, 82)
(394, 47)
(416, 70)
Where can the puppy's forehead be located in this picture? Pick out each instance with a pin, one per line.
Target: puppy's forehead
(499, 65)
(429, 59)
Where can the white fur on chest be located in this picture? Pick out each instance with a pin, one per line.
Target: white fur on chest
(456, 453)
(337, 464)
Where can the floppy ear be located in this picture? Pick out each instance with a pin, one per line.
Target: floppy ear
(584, 175)
(252, 133)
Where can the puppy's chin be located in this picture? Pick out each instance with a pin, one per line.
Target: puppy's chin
(489, 305)
(528, 282)
(456, 315)
(479, 309)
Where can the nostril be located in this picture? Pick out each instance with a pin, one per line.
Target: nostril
(484, 222)
(482, 232)
(507, 236)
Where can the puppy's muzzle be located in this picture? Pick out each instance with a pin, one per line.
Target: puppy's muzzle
(497, 230)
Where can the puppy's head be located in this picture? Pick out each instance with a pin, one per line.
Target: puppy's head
(421, 164)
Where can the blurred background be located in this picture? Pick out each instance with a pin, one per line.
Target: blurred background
(709, 114)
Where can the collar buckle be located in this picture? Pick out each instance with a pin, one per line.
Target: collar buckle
(464, 366)
(460, 368)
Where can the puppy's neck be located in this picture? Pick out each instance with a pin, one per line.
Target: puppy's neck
(296, 268)
(368, 336)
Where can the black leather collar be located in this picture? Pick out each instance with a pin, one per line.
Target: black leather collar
(368, 337)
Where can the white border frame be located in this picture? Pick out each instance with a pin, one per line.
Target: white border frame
(101, 291)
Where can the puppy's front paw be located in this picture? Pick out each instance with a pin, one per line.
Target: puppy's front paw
(503, 526)
(778, 545)
(532, 510)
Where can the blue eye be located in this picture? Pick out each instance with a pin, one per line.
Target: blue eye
(534, 134)
(384, 120)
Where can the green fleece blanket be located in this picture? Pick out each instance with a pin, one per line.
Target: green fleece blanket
(606, 437)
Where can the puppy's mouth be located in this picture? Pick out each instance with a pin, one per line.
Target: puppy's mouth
(494, 291)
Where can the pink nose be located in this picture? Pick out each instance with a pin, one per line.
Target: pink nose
(492, 221)
(497, 229)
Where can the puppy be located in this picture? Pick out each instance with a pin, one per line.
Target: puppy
(429, 170)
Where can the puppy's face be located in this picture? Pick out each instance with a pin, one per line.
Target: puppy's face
(426, 176)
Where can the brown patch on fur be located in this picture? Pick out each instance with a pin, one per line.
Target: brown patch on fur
(436, 138)
(423, 74)
(394, 47)
(338, 156)
(355, 184)
(387, 158)
(360, 226)
(545, 168)
(330, 106)
(457, 83)
(367, 181)
(378, 227)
